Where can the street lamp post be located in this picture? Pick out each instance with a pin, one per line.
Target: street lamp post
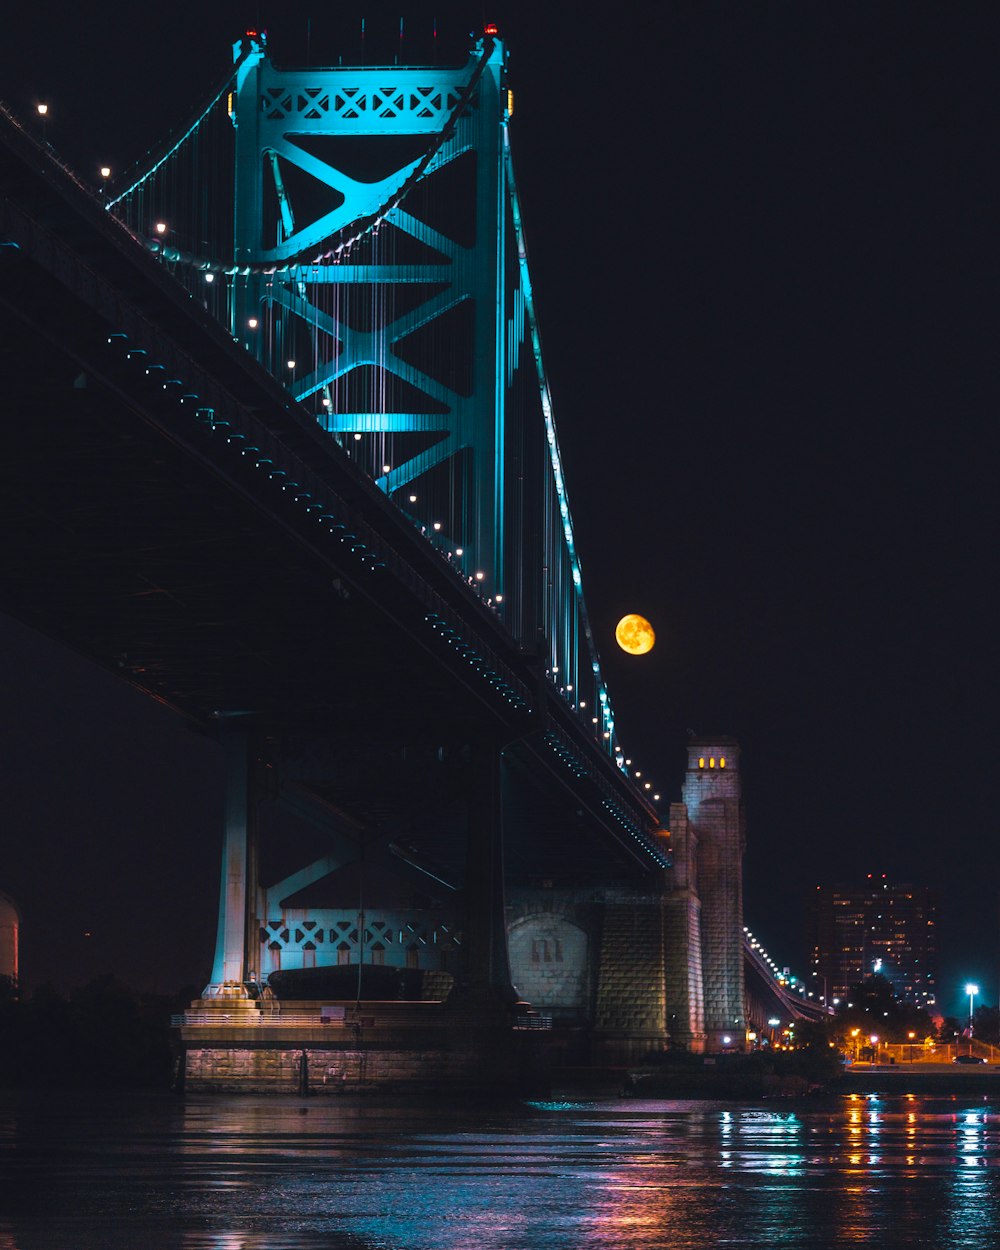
(972, 991)
(911, 1035)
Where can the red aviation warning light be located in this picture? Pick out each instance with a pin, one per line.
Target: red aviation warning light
(491, 28)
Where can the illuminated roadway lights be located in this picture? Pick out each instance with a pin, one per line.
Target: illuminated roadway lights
(972, 990)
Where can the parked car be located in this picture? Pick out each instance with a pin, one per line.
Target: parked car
(968, 1059)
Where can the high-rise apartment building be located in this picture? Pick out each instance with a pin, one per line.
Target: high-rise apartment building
(874, 927)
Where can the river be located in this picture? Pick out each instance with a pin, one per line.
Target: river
(82, 1172)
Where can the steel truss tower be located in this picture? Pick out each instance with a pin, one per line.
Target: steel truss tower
(371, 271)
(329, 218)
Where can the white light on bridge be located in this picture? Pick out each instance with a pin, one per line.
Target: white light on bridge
(161, 227)
(42, 110)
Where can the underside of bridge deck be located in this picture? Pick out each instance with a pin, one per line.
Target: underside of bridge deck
(138, 532)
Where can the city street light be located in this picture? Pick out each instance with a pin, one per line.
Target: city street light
(972, 991)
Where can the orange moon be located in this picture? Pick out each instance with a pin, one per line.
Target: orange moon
(634, 634)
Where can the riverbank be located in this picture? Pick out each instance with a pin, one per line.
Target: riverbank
(751, 1077)
(929, 1079)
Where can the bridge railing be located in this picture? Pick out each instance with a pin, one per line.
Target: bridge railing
(365, 1015)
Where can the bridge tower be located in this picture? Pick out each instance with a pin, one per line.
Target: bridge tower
(706, 927)
(375, 274)
(373, 260)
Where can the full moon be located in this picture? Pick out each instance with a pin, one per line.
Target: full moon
(634, 634)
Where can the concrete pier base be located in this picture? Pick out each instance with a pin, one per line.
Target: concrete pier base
(332, 1048)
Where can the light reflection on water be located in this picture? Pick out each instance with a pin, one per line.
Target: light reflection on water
(289, 1174)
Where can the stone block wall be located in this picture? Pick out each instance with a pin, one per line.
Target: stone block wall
(457, 1065)
(630, 1015)
(684, 978)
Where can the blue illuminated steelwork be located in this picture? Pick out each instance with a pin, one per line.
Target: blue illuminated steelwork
(285, 122)
(409, 332)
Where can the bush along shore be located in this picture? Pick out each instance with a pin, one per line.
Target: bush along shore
(101, 1036)
(760, 1074)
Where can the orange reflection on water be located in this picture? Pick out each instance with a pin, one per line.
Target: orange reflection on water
(638, 1214)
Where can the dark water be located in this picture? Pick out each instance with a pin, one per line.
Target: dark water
(81, 1172)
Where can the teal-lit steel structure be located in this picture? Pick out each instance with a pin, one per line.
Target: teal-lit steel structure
(367, 247)
(365, 243)
(307, 124)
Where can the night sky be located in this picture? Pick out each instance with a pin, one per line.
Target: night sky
(763, 243)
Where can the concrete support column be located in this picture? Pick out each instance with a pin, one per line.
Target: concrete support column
(237, 893)
(682, 921)
(485, 971)
(630, 1017)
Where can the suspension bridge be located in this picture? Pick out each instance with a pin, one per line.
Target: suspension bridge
(282, 453)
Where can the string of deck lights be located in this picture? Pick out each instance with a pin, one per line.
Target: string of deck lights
(477, 657)
(785, 980)
(596, 704)
(208, 416)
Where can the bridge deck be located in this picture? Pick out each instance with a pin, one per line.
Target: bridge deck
(173, 514)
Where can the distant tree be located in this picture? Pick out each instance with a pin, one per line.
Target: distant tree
(986, 1025)
(871, 1006)
(103, 1036)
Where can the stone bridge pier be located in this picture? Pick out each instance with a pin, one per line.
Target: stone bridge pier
(628, 971)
